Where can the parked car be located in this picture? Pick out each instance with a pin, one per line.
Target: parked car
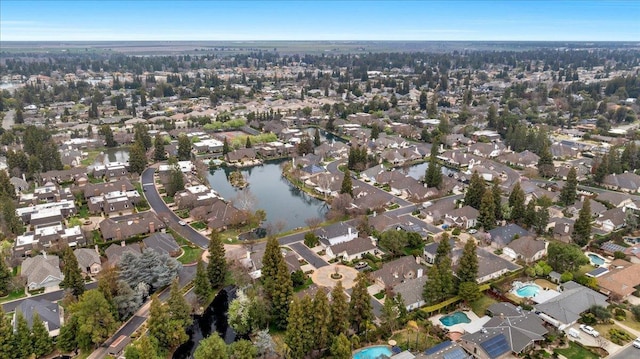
(589, 330)
(473, 231)
(182, 223)
(574, 333)
(361, 265)
(636, 343)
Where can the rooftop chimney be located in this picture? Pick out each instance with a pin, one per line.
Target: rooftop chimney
(152, 227)
(119, 235)
(124, 188)
(97, 250)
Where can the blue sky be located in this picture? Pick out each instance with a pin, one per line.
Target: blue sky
(515, 20)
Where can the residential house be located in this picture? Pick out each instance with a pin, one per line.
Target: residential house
(487, 150)
(597, 208)
(62, 176)
(50, 235)
(615, 199)
(47, 212)
(464, 217)
(337, 233)
(444, 350)
(219, 215)
(42, 271)
(195, 196)
(526, 248)
(352, 250)
(565, 309)
(626, 182)
(51, 314)
(115, 251)
(429, 251)
(163, 243)
(48, 193)
(241, 155)
(111, 171)
(621, 280)
(491, 266)
(88, 260)
(397, 271)
(612, 219)
(123, 227)
(501, 236)
(435, 211)
(19, 184)
(411, 292)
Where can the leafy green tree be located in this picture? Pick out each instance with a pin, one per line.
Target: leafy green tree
(72, 274)
(347, 186)
(321, 320)
(339, 311)
(141, 135)
(5, 278)
(137, 158)
(487, 216)
(67, 341)
(389, 316)
(582, 227)
(298, 335)
(176, 181)
(11, 222)
(433, 174)
(179, 309)
(225, 147)
(341, 347)
(217, 267)
(516, 203)
(360, 310)
(473, 196)
(159, 154)
(7, 346)
(311, 240)
(184, 148)
(95, 321)
(242, 349)
(7, 190)
(545, 163)
(530, 214)
(440, 280)
(469, 291)
(393, 241)
(568, 193)
(564, 257)
(23, 338)
(202, 285)
(167, 331)
(422, 101)
(42, 342)
(109, 141)
(468, 266)
(213, 347)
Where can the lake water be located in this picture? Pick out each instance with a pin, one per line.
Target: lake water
(417, 171)
(284, 203)
(214, 319)
(112, 155)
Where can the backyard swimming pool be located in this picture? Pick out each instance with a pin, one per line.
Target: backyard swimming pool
(527, 291)
(373, 352)
(596, 260)
(455, 318)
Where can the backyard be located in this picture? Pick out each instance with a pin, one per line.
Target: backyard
(190, 254)
(480, 306)
(575, 351)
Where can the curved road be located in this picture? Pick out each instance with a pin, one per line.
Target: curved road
(157, 205)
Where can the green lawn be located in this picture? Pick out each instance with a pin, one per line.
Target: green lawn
(83, 211)
(190, 255)
(199, 225)
(480, 306)
(574, 351)
(181, 241)
(16, 294)
(168, 200)
(631, 321)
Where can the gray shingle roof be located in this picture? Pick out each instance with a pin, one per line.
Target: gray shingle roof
(163, 243)
(573, 301)
(49, 312)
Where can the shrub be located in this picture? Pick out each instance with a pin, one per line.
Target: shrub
(566, 276)
(456, 231)
(636, 312)
(619, 336)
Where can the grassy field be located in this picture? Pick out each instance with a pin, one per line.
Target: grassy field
(408, 338)
(631, 321)
(16, 294)
(480, 306)
(199, 225)
(574, 351)
(190, 254)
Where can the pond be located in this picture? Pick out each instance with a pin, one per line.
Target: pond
(214, 319)
(285, 205)
(417, 171)
(112, 155)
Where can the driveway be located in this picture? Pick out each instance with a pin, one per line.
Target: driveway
(157, 205)
(308, 255)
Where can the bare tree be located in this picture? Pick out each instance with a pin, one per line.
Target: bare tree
(313, 223)
(340, 206)
(245, 200)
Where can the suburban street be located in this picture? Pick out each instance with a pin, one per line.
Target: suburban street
(50, 297)
(157, 205)
(629, 352)
(308, 255)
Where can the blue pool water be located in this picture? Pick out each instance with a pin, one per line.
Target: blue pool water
(455, 318)
(373, 353)
(596, 259)
(527, 291)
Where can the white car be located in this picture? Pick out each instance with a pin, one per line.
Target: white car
(589, 330)
(473, 231)
(182, 223)
(636, 343)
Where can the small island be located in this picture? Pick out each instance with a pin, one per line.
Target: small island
(236, 179)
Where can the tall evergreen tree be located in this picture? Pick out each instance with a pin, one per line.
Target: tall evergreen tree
(184, 148)
(95, 321)
(141, 135)
(433, 174)
(545, 163)
(270, 260)
(137, 158)
(360, 311)
(375, 131)
(339, 311)
(347, 186)
(473, 196)
(298, 335)
(496, 193)
(22, 337)
(281, 292)
(516, 202)
(109, 141)
(202, 285)
(42, 342)
(432, 107)
(321, 320)
(73, 280)
(168, 332)
(67, 341)
(468, 266)
(159, 154)
(5, 278)
(487, 216)
(492, 117)
(179, 309)
(7, 346)
(568, 193)
(248, 142)
(341, 347)
(530, 214)
(212, 347)
(422, 101)
(316, 138)
(225, 146)
(582, 227)
(217, 267)
(441, 282)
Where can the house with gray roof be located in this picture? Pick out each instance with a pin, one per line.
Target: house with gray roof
(491, 266)
(444, 350)
(337, 233)
(526, 248)
(565, 309)
(123, 227)
(115, 251)
(163, 243)
(501, 236)
(352, 250)
(50, 313)
(398, 271)
(626, 182)
(42, 271)
(612, 219)
(464, 217)
(411, 292)
(88, 260)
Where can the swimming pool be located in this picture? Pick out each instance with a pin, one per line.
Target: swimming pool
(373, 352)
(455, 318)
(527, 291)
(596, 260)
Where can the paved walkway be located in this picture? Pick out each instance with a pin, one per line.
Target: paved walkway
(322, 276)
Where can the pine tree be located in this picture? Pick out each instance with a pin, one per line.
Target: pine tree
(375, 131)
(360, 306)
(492, 117)
(568, 193)
(95, 321)
(179, 309)
(582, 227)
(67, 341)
(248, 142)
(316, 138)
(516, 202)
(468, 266)
(184, 148)
(389, 317)
(432, 107)
(23, 338)
(225, 147)
(159, 153)
(473, 196)
(347, 186)
(281, 292)
(270, 261)
(72, 275)
(441, 282)
(42, 342)
(433, 174)
(469, 291)
(5, 278)
(422, 101)
(109, 141)
(168, 332)
(545, 162)
(217, 267)
(321, 320)
(7, 346)
(341, 347)
(202, 285)
(339, 311)
(487, 216)
(176, 181)
(137, 158)
(530, 214)
(443, 251)
(496, 193)
(298, 335)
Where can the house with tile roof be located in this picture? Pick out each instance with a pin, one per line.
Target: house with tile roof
(621, 279)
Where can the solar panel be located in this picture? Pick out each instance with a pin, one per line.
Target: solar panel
(598, 271)
(612, 247)
(437, 348)
(456, 353)
(496, 346)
